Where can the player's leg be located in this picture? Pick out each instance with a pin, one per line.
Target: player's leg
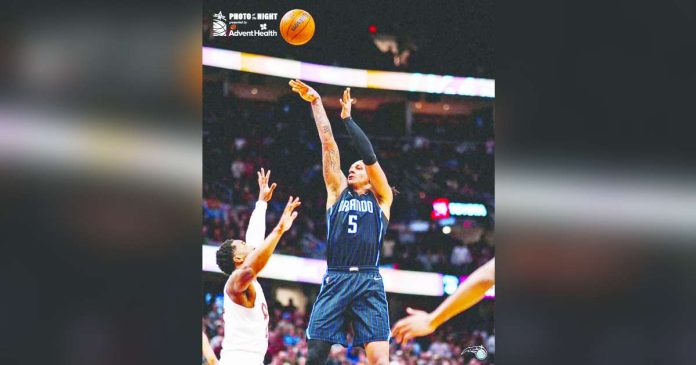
(327, 319)
(371, 318)
(377, 352)
(317, 352)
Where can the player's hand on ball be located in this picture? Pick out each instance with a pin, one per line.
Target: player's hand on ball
(289, 214)
(346, 103)
(305, 91)
(265, 192)
(417, 324)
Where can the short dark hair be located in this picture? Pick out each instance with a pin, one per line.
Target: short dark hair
(224, 256)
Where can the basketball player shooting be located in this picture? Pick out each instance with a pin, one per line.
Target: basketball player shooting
(471, 291)
(245, 308)
(357, 216)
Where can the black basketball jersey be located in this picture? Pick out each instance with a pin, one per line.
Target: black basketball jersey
(356, 226)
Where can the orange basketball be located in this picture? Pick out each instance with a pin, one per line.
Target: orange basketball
(297, 27)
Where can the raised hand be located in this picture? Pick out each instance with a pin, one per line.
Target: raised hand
(265, 192)
(346, 102)
(305, 91)
(417, 324)
(288, 214)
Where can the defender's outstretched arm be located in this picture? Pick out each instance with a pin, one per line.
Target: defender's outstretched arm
(420, 323)
(258, 258)
(257, 223)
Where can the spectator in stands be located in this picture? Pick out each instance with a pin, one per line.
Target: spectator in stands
(461, 255)
(440, 348)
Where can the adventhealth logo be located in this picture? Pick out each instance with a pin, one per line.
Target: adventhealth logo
(254, 33)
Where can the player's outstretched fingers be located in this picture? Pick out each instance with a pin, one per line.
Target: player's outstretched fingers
(295, 86)
(396, 331)
(273, 186)
(402, 334)
(348, 98)
(290, 205)
(296, 203)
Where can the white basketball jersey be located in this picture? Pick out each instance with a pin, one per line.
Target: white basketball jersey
(246, 331)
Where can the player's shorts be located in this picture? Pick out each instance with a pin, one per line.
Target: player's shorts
(350, 296)
(234, 357)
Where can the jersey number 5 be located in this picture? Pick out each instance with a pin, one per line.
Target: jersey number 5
(352, 224)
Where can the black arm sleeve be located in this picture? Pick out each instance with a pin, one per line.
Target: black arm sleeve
(360, 141)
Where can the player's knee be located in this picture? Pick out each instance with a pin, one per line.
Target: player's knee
(317, 352)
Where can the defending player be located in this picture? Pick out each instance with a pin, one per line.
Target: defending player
(245, 308)
(357, 215)
(421, 323)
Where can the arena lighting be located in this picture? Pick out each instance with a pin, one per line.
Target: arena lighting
(343, 76)
(311, 271)
(419, 226)
(447, 222)
(449, 284)
(468, 209)
(443, 208)
(440, 208)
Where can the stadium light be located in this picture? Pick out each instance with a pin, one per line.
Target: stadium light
(440, 208)
(449, 284)
(443, 208)
(343, 76)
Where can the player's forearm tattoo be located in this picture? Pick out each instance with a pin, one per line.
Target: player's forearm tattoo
(331, 162)
(322, 122)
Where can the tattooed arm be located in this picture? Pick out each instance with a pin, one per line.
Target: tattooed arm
(334, 178)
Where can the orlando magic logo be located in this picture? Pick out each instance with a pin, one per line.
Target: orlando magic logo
(478, 351)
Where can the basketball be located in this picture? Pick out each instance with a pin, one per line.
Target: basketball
(297, 27)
